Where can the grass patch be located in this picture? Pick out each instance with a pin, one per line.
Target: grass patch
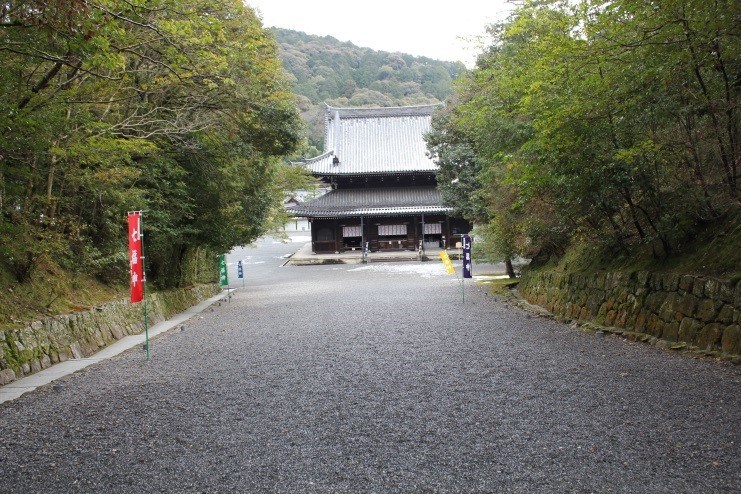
(50, 290)
(501, 286)
(712, 252)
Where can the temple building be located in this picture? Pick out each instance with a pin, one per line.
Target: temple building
(384, 193)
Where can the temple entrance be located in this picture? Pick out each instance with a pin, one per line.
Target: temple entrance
(352, 237)
(393, 237)
(433, 235)
(324, 241)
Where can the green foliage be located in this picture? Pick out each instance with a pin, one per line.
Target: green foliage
(178, 108)
(325, 70)
(610, 124)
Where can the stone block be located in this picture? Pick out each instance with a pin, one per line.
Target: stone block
(641, 319)
(45, 361)
(731, 340)
(116, 331)
(685, 283)
(654, 301)
(6, 376)
(698, 288)
(725, 315)
(671, 331)
(670, 282)
(688, 329)
(707, 309)
(725, 293)
(668, 309)
(599, 280)
(709, 336)
(35, 366)
(583, 314)
(642, 278)
(712, 288)
(654, 325)
(621, 318)
(610, 317)
(687, 304)
(98, 339)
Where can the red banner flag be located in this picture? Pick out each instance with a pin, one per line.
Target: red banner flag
(135, 257)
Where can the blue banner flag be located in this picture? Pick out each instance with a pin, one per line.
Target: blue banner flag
(467, 263)
(240, 272)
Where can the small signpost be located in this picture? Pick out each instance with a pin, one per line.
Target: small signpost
(467, 263)
(240, 272)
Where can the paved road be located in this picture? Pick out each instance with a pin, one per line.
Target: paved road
(377, 379)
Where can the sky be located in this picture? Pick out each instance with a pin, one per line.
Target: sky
(450, 31)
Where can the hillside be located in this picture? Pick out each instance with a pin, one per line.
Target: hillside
(326, 70)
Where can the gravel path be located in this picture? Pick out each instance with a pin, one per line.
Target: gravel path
(378, 379)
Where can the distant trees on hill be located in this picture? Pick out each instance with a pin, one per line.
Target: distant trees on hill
(324, 69)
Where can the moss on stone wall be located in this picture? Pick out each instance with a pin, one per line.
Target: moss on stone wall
(702, 312)
(40, 344)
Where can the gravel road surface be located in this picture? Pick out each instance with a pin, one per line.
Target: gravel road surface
(377, 379)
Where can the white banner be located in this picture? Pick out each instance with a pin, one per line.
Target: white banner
(392, 229)
(433, 228)
(351, 231)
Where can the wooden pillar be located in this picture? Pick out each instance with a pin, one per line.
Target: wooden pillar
(416, 232)
(448, 240)
(337, 236)
(313, 235)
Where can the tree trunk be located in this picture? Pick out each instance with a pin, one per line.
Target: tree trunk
(509, 268)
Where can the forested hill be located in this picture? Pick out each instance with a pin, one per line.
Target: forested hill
(324, 69)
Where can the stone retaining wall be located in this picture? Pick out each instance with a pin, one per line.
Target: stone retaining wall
(40, 344)
(702, 312)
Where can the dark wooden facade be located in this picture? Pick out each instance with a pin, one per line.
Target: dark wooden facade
(331, 234)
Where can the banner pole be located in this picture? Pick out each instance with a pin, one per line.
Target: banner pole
(463, 289)
(146, 324)
(144, 284)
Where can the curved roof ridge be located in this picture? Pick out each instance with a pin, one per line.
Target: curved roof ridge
(330, 107)
(308, 161)
(380, 111)
(320, 157)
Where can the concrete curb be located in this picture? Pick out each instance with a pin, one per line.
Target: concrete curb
(15, 389)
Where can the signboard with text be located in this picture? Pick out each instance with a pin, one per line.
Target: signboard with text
(136, 262)
(223, 277)
(467, 263)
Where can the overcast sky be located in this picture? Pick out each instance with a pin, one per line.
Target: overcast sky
(432, 28)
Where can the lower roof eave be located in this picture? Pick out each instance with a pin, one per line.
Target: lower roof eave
(371, 212)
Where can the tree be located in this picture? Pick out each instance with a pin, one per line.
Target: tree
(615, 124)
(177, 107)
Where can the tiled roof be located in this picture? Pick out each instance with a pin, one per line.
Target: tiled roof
(374, 140)
(372, 202)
